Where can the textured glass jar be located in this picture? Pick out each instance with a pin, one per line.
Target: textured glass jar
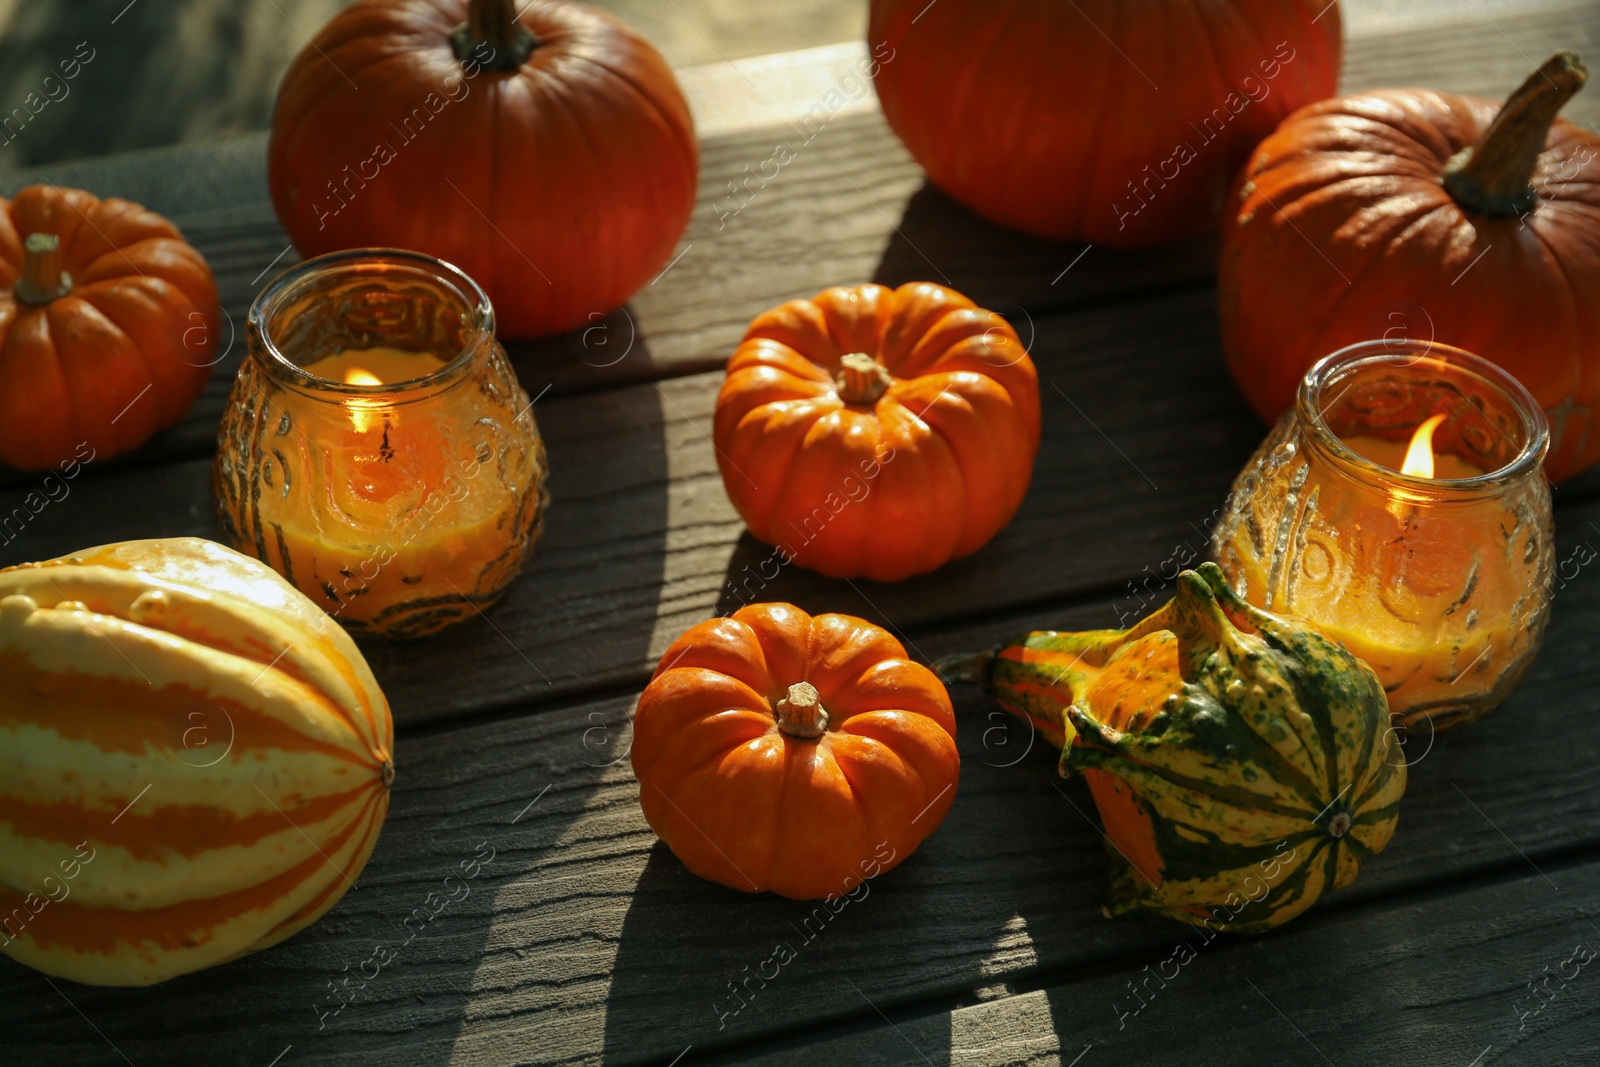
(400, 507)
(1441, 585)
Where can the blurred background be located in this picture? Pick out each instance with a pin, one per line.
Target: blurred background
(158, 72)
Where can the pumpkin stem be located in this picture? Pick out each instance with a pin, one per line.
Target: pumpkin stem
(42, 279)
(800, 714)
(1492, 177)
(388, 772)
(862, 379)
(494, 23)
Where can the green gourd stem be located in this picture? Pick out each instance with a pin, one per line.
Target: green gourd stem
(493, 23)
(42, 279)
(1494, 176)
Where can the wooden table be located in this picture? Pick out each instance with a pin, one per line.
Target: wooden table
(586, 942)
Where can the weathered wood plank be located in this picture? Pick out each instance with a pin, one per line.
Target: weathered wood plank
(1444, 978)
(850, 206)
(1485, 52)
(1011, 1031)
(586, 942)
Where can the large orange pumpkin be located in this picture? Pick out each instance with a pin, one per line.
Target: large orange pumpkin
(194, 761)
(541, 146)
(797, 755)
(1102, 121)
(108, 325)
(878, 433)
(1408, 212)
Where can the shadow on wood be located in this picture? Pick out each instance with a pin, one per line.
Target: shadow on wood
(760, 573)
(606, 351)
(937, 239)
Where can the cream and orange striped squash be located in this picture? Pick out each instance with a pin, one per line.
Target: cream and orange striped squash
(194, 761)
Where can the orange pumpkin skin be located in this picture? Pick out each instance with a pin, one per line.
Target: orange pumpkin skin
(1341, 231)
(743, 801)
(926, 473)
(560, 186)
(122, 353)
(1098, 120)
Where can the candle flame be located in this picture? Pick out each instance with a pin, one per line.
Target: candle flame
(361, 411)
(1419, 457)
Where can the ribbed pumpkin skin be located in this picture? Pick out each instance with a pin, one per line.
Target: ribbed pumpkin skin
(561, 187)
(1233, 754)
(120, 357)
(926, 474)
(215, 739)
(1340, 231)
(745, 804)
(1065, 119)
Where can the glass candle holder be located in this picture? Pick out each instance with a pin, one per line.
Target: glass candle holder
(1441, 584)
(377, 450)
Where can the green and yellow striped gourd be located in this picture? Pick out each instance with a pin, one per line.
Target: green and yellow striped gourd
(1242, 763)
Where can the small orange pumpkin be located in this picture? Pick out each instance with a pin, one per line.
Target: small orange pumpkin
(878, 433)
(108, 322)
(797, 755)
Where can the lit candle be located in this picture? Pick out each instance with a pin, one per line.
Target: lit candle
(1414, 457)
(396, 486)
(1430, 561)
(375, 366)
(401, 520)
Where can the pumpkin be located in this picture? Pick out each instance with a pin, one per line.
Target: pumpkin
(1408, 212)
(1097, 120)
(878, 433)
(108, 325)
(780, 752)
(540, 145)
(194, 761)
(1242, 763)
